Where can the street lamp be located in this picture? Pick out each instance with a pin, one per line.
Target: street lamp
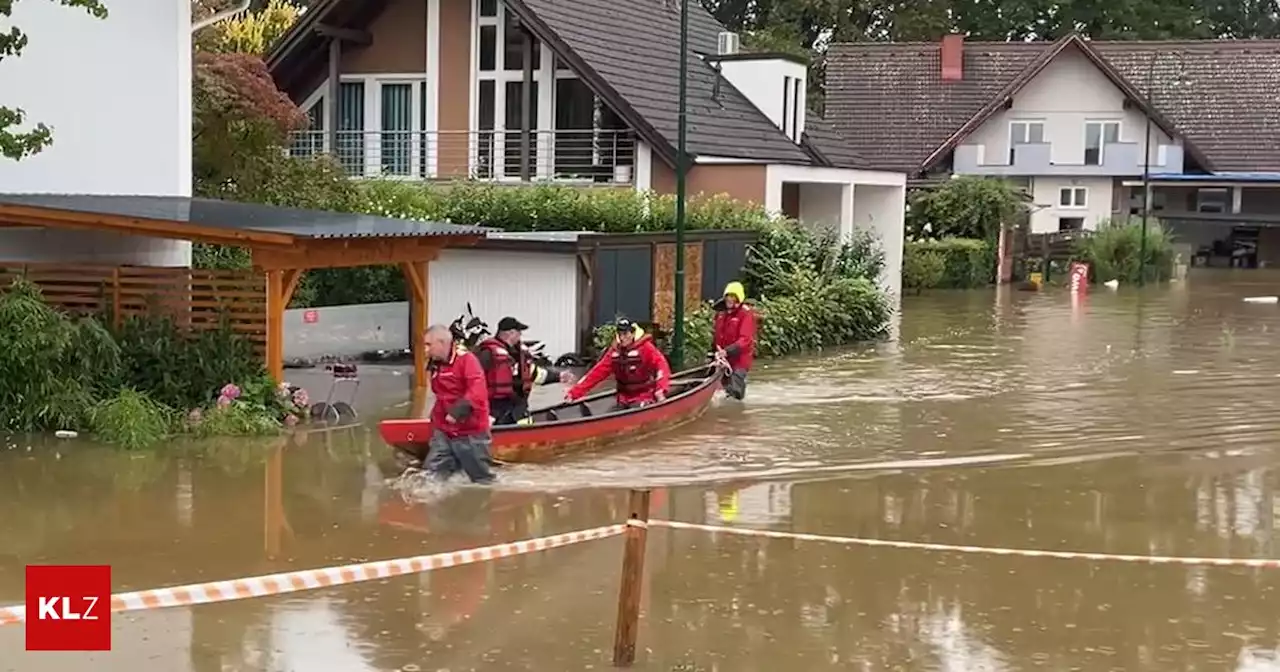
(1146, 174)
(682, 169)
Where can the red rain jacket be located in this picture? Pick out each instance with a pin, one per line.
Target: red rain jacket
(460, 391)
(735, 332)
(640, 371)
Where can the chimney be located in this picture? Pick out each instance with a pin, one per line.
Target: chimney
(952, 57)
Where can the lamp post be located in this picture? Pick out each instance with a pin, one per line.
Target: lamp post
(1146, 175)
(682, 169)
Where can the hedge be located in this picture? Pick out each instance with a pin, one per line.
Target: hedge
(1114, 252)
(965, 263)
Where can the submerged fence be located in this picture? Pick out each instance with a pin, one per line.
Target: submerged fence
(194, 298)
(636, 530)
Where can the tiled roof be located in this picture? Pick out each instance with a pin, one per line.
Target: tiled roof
(829, 147)
(632, 46)
(1222, 95)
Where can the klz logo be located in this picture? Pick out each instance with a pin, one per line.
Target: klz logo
(68, 607)
(59, 608)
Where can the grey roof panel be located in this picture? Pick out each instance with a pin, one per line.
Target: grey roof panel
(831, 145)
(230, 215)
(633, 45)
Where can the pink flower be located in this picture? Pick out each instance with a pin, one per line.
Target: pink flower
(224, 401)
(282, 390)
(290, 420)
(230, 391)
(300, 398)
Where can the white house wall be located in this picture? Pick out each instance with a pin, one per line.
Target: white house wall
(761, 82)
(121, 116)
(881, 211)
(1046, 196)
(1067, 93)
(822, 205)
(538, 288)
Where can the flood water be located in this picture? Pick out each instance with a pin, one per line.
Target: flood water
(1142, 421)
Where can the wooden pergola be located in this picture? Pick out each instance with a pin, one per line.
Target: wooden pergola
(284, 243)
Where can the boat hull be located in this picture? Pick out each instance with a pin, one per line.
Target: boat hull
(579, 427)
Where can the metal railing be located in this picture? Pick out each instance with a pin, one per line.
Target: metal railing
(587, 156)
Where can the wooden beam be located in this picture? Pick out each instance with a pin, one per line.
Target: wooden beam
(361, 38)
(275, 323)
(23, 215)
(418, 281)
(346, 253)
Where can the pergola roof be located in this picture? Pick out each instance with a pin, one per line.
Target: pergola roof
(213, 221)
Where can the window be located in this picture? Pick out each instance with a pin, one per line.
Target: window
(795, 109)
(1213, 199)
(351, 127)
(1024, 133)
(1070, 223)
(786, 106)
(565, 116)
(396, 149)
(310, 141)
(1097, 135)
(1073, 197)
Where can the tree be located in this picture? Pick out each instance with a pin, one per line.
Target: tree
(253, 32)
(15, 144)
(963, 207)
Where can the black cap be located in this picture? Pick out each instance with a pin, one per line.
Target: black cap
(624, 325)
(509, 323)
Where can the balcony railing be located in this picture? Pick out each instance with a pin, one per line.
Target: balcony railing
(586, 156)
(1117, 159)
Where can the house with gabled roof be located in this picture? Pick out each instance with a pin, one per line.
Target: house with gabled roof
(1078, 123)
(582, 93)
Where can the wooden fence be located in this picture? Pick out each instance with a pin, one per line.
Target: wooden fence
(196, 298)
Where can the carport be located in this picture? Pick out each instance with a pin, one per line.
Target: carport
(284, 243)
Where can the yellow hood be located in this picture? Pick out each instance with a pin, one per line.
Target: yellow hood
(736, 290)
(637, 331)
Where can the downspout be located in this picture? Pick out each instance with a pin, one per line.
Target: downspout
(220, 16)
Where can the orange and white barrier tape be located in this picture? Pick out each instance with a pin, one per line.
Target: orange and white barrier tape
(311, 579)
(1257, 563)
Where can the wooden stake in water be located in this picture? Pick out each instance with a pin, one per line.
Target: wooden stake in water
(624, 638)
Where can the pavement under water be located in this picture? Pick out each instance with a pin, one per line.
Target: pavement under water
(1144, 421)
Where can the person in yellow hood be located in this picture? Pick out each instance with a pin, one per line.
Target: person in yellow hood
(735, 337)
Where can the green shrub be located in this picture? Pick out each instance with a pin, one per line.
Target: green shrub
(810, 293)
(183, 369)
(1114, 252)
(46, 379)
(234, 419)
(968, 263)
(922, 267)
(963, 207)
(131, 420)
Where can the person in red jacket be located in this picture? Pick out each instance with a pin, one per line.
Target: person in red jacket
(735, 338)
(511, 374)
(638, 367)
(460, 417)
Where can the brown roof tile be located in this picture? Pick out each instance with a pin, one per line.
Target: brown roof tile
(1220, 94)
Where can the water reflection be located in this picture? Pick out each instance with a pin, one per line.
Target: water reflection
(1137, 422)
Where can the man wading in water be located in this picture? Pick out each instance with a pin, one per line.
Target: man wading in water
(460, 417)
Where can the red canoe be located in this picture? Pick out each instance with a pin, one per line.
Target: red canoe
(579, 426)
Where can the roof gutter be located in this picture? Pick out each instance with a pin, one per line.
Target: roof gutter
(665, 150)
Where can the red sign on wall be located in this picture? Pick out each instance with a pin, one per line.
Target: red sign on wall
(311, 316)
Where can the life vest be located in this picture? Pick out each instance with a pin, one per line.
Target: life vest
(630, 371)
(507, 371)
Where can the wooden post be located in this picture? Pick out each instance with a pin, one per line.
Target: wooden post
(275, 324)
(417, 278)
(629, 594)
(331, 96)
(273, 502)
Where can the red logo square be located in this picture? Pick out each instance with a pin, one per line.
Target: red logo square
(68, 607)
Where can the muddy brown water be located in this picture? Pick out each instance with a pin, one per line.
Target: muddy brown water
(1140, 422)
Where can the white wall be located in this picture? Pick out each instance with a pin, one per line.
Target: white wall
(822, 206)
(1067, 93)
(881, 210)
(117, 94)
(761, 80)
(1046, 195)
(538, 288)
